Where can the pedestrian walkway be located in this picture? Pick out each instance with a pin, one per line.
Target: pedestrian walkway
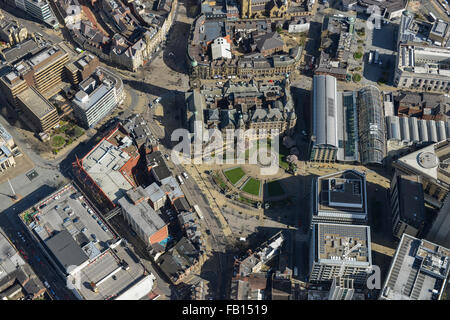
(207, 189)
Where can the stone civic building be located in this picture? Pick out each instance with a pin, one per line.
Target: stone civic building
(262, 108)
(256, 51)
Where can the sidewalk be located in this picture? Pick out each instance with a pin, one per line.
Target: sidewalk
(208, 191)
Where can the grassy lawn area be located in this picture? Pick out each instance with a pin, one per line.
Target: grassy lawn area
(284, 152)
(58, 142)
(65, 134)
(252, 186)
(274, 188)
(75, 132)
(234, 175)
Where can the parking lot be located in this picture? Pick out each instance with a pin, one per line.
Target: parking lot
(384, 41)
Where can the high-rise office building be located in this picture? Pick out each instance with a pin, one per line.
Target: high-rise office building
(43, 70)
(40, 115)
(98, 96)
(340, 198)
(419, 271)
(341, 289)
(339, 250)
(39, 9)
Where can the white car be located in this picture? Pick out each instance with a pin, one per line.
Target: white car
(185, 175)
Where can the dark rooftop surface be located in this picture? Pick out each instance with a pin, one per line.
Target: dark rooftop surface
(66, 250)
(411, 200)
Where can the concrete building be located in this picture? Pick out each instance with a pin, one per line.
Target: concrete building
(389, 9)
(340, 198)
(416, 30)
(341, 289)
(82, 247)
(39, 9)
(157, 166)
(142, 218)
(221, 49)
(422, 67)
(418, 271)
(39, 114)
(298, 25)
(7, 147)
(439, 232)
(407, 205)
(43, 70)
(248, 288)
(432, 165)
(340, 250)
(11, 32)
(69, 10)
(80, 69)
(181, 260)
(191, 228)
(439, 33)
(105, 172)
(157, 197)
(17, 280)
(254, 262)
(98, 96)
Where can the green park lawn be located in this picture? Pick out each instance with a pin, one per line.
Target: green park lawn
(234, 175)
(252, 186)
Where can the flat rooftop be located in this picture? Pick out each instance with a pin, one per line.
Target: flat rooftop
(142, 213)
(108, 164)
(418, 271)
(432, 162)
(171, 187)
(103, 268)
(47, 55)
(439, 231)
(411, 200)
(9, 257)
(336, 243)
(342, 192)
(424, 59)
(20, 50)
(36, 103)
(71, 229)
(87, 99)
